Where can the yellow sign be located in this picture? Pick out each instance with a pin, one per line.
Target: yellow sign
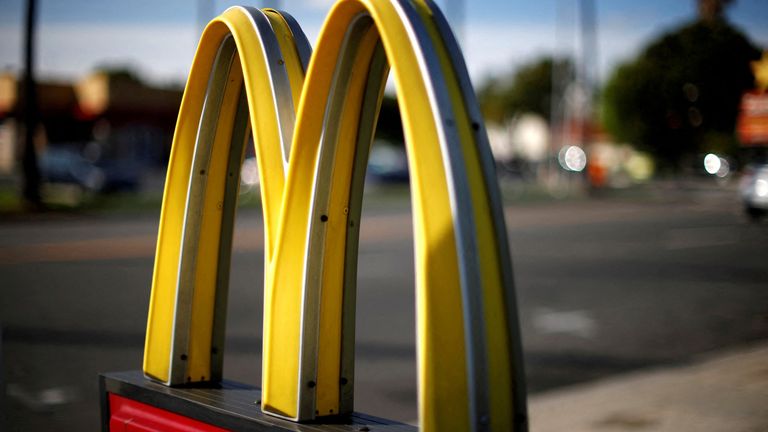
(760, 70)
(312, 122)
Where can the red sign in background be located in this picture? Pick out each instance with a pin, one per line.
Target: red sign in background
(752, 126)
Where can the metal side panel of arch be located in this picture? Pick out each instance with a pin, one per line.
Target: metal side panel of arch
(312, 117)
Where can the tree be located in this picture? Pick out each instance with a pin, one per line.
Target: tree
(527, 90)
(710, 10)
(681, 95)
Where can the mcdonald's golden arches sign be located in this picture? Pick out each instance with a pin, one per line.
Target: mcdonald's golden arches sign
(312, 117)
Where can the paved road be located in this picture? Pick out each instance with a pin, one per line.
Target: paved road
(605, 285)
(723, 391)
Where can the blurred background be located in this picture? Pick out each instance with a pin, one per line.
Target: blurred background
(631, 142)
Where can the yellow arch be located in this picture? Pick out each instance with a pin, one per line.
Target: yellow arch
(466, 319)
(251, 63)
(262, 55)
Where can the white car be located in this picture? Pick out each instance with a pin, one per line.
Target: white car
(754, 190)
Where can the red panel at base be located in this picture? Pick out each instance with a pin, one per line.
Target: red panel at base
(127, 415)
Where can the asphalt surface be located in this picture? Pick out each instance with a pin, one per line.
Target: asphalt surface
(722, 391)
(606, 286)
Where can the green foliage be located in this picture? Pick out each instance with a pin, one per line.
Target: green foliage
(681, 95)
(528, 90)
(120, 72)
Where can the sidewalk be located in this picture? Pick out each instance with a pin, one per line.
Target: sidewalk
(724, 392)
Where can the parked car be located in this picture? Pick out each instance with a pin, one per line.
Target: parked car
(754, 190)
(65, 166)
(120, 174)
(387, 164)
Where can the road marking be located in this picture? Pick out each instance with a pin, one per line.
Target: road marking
(575, 322)
(43, 400)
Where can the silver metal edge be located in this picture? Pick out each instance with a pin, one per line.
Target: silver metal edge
(316, 232)
(497, 209)
(303, 48)
(229, 211)
(371, 104)
(198, 179)
(463, 216)
(278, 77)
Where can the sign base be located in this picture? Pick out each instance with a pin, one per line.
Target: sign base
(131, 402)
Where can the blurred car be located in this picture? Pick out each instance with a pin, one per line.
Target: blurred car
(754, 190)
(65, 166)
(387, 164)
(249, 175)
(119, 174)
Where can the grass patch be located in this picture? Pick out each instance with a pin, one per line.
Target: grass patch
(9, 200)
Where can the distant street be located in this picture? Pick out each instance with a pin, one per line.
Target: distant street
(605, 286)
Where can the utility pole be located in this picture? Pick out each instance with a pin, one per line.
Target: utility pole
(588, 67)
(31, 171)
(563, 70)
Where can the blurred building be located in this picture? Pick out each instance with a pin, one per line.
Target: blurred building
(752, 123)
(520, 145)
(108, 115)
(525, 149)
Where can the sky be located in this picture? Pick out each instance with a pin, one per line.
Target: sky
(157, 38)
